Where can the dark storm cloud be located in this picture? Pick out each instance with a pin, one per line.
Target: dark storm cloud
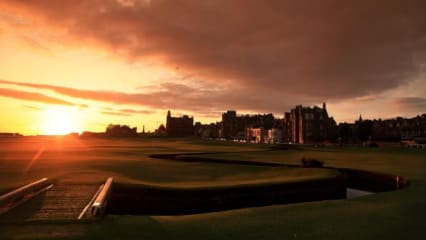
(329, 48)
(412, 104)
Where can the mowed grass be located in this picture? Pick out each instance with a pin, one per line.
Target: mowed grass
(391, 215)
(23, 160)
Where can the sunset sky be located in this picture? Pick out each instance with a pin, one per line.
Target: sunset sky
(89, 63)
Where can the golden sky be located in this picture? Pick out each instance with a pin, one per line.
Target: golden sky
(84, 64)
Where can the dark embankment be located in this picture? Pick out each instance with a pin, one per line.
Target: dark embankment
(194, 157)
(150, 200)
(357, 179)
(373, 181)
(146, 199)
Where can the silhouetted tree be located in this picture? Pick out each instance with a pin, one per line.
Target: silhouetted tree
(345, 132)
(120, 131)
(364, 129)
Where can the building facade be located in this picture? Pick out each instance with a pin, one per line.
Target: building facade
(179, 126)
(274, 135)
(255, 135)
(229, 124)
(206, 130)
(234, 127)
(309, 125)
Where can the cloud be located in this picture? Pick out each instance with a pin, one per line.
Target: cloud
(33, 108)
(153, 99)
(175, 96)
(35, 97)
(125, 111)
(35, 44)
(11, 19)
(116, 113)
(327, 49)
(410, 104)
(133, 111)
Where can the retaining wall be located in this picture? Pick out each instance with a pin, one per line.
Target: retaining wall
(142, 199)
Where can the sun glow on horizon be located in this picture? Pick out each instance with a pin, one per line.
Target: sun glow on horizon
(59, 121)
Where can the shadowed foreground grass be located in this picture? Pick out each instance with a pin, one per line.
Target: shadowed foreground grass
(391, 215)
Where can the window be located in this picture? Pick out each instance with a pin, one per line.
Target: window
(309, 116)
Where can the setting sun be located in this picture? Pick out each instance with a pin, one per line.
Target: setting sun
(59, 121)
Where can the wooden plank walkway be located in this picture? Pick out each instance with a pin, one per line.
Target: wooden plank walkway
(63, 202)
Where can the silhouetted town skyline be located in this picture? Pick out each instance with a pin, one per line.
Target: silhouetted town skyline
(300, 125)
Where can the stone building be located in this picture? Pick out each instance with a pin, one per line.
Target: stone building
(310, 125)
(206, 130)
(274, 135)
(235, 126)
(255, 135)
(229, 124)
(392, 130)
(287, 128)
(179, 126)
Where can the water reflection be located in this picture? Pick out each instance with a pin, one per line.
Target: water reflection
(354, 193)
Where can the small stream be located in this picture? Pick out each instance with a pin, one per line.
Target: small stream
(354, 193)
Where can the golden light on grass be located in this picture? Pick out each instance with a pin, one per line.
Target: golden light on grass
(60, 121)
